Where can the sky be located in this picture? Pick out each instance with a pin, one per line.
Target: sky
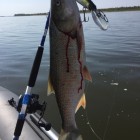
(11, 7)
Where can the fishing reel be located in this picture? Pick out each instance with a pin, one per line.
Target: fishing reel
(33, 105)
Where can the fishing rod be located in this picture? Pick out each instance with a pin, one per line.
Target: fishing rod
(32, 79)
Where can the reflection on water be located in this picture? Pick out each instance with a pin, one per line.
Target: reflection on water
(113, 58)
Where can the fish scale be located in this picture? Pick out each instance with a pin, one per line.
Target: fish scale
(66, 84)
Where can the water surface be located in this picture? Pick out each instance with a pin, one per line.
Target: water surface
(113, 58)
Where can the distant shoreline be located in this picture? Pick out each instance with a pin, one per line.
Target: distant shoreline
(121, 9)
(35, 14)
(117, 9)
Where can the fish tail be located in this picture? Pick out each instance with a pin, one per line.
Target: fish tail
(73, 135)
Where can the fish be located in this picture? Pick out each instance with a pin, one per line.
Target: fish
(67, 64)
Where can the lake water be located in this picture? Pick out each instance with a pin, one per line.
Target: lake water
(113, 58)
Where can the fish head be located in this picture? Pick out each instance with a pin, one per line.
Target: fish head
(65, 15)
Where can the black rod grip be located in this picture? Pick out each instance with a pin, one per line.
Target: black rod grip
(35, 67)
(19, 126)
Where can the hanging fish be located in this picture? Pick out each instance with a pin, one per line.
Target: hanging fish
(67, 64)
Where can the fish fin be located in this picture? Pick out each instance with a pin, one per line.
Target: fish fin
(82, 103)
(86, 74)
(72, 135)
(50, 87)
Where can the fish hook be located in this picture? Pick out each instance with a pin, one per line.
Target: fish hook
(84, 12)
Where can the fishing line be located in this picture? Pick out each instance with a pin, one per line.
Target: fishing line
(111, 109)
(87, 118)
(90, 126)
(109, 115)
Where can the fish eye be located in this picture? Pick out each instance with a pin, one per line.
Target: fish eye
(58, 2)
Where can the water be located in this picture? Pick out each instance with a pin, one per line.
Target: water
(113, 58)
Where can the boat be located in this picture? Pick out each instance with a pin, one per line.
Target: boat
(31, 129)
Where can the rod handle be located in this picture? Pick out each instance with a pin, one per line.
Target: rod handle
(35, 67)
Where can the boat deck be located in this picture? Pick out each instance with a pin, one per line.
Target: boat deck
(8, 118)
